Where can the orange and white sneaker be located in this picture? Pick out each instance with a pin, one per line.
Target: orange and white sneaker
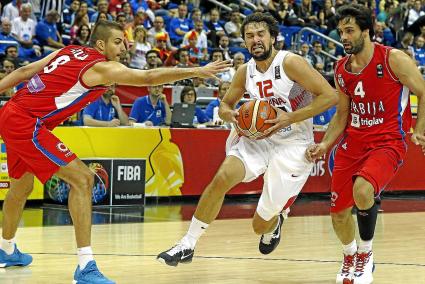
(363, 273)
(345, 274)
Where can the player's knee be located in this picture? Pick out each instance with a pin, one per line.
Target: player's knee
(363, 194)
(221, 182)
(84, 181)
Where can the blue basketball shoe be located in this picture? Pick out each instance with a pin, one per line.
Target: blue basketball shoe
(90, 275)
(17, 258)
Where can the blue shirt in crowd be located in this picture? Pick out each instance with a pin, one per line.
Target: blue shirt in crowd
(209, 111)
(44, 30)
(100, 111)
(200, 116)
(143, 110)
(184, 25)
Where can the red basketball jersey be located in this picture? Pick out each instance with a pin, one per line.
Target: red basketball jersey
(57, 91)
(380, 107)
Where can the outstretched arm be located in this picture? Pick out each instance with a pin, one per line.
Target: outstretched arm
(108, 73)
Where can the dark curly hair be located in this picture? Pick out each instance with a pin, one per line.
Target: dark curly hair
(270, 21)
(360, 13)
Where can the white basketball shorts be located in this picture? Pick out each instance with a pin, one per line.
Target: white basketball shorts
(284, 166)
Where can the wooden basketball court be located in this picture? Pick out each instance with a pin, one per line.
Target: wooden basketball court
(228, 253)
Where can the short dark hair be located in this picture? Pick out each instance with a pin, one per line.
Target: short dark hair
(153, 51)
(216, 50)
(102, 31)
(270, 21)
(9, 47)
(360, 13)
(185, 91)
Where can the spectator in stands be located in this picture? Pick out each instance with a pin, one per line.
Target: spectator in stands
(11, 10)
(152, 59)
(126, 10)
(116, 6)
(198, 82)
(307, 14)
(23, 27)
(188, 95)
(80, 19)
(121, 19)
(6, 35)
(233, 29)
(11, 53)
(212, 109)
(180, 58)
(47, 33)
(83, 10)
(83, 36)
(317, 58)
(142, 5)
(161, 46)
(287, 14)
(419, 51)
(327, 17)
(153, 110)
(223, 44)
(8, 67)
(140, 19)
(280, 42)
(407, 43)
(139, 48)
(179, 26)
(415, 12)
(125, 58)
(202, 41)
(105, 111)
(195, 54)
(383, 35)
(69, 13)
(215, 27)
(195, 15)
(305, 52)
(217, 54)
(101, 17)
(158, 28)
(102, 7)
(238, 61)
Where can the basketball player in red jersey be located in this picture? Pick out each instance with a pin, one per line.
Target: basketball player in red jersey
(287, 81)
(373, 83)
(58, 86)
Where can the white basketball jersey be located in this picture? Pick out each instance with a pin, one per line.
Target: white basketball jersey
(276, 88)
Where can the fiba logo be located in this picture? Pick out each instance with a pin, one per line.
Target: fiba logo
(62, 147)
(58, 190)
(263, 112)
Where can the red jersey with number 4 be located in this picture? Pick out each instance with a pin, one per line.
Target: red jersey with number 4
(379, 107)
(57, 91)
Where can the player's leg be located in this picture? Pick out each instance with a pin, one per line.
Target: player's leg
(81, 178)
(286, 174)
(377, 171)
(230, 173)
(13, 206)
(347, 164)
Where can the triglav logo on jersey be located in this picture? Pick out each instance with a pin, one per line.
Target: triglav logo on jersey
(379, 71)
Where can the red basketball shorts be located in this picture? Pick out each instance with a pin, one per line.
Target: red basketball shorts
(30, 146)
(376, 162)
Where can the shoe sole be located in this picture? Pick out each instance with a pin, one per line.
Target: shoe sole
(173, 264)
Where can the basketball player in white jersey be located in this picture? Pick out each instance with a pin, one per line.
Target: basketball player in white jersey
(287, 81)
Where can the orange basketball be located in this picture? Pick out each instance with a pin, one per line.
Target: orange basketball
(251, 118)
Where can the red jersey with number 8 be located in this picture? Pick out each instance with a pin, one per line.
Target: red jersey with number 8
(57, 91)
(379, 107)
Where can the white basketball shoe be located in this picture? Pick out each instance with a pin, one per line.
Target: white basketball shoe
(345, 273)
(363, 273)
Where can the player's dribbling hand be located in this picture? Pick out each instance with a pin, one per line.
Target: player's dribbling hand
(282, 120)
(230, 116)
(209, 70)
(315, 152)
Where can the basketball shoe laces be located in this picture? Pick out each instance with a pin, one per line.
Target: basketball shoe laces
(179, 247)
(361, 260)
(347, 264)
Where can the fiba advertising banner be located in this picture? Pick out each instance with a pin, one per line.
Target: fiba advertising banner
(116, 182)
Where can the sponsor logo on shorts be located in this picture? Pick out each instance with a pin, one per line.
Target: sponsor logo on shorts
(62, 147)
(3, 168)
(334, 197)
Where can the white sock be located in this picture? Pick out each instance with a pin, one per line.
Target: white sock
(8, 245)
(351, 248)
(85, 255)
(196, 230)
(365, 246)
